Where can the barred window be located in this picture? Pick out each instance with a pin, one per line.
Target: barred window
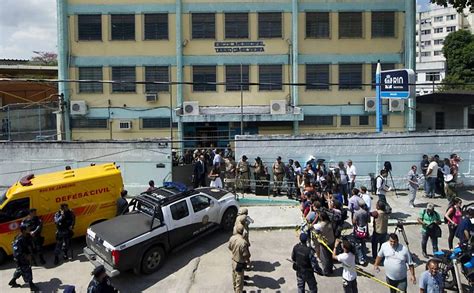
(203, 26)
(364, 120)
(89, 27)
(385, 66)
(125, 73)
(350, 24)
(383, 24)
(269, 25)
(156, 26)
(233, 76)
(317, 76)
(270, 77)
(89, 123)
(350, 76)
(202, 75)
(450, 29)
(317, 24)
(156, 123)
(436, 31)
(123, 27)
(345, 120)
(90, 73)
(157, 73)
(236, 25)
(324, 120)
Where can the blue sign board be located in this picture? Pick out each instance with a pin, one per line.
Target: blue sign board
(397, 84)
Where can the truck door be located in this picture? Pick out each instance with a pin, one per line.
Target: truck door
(179, 226)
(205, 211)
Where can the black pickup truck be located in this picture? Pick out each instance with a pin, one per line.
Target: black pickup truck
(156, 224)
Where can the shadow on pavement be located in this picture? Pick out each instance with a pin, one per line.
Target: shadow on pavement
(263, 282)
(52, 285)
(399, 215)
(264, 266)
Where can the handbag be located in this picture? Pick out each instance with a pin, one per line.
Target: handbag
(361, 232)
(434, 230)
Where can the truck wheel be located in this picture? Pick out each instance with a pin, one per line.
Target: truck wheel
(152, 260)
(228, 219)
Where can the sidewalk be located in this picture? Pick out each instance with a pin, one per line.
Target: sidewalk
(282, 213)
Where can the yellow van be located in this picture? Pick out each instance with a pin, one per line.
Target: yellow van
(91, 193)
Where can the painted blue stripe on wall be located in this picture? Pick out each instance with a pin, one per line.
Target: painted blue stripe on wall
(123, 60)
(352, 58)
(235, 59)
(129, 113)
(394, 5)
(237, 6)
(119, 8)
(338, 110)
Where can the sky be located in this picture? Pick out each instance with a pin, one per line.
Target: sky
(30, 25)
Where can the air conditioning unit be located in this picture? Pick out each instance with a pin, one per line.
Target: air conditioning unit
(78, 108)
(125, 125)
(369, 104)
(278, 107)
(191, 108)
(151, 98)
(396, 105)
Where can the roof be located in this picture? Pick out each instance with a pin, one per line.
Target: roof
(459, 98)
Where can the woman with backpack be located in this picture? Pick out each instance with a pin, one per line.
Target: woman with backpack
(453, 217)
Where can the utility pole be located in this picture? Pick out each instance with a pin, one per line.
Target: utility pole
(378, 99)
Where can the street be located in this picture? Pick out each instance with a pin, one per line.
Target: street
(205, 266)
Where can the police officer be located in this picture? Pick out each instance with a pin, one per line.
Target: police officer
(100, 283)
(65, 220)
(35, 224)
(244, 220)
(240, 257)
(22, 254)
(305, 264)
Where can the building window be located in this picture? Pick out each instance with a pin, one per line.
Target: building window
(204, 78)
(350, 76)
(89, 27)
(383, 24)
(385, 66)
(203, 26)
(317, 25)
(158, 74)
(90, 73)
(317, 76)
(437, 53)
(426, 43)
(433, 76)
(151, 123)
(236, 26)
(126, 74)
(438, 41)
(269, 25)
(450, 29)
(438, 30)
(350, 24)
(451, 17)
(345, 120)
(156, 26)
(89, 123)
(270, 77)
(325, 120)
(425, 54)
(234, 74)
(123, 27)
(438, 19)
(363, 120)
(425, 32)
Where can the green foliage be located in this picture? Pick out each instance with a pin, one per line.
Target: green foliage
(458, 50)
(458, 4)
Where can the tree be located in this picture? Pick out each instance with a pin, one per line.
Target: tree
(458, 4)
(458, 50)
(45, 58)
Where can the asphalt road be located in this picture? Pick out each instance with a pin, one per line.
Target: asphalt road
(205, 266)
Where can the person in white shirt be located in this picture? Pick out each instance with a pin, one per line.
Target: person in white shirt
(382, 188)
(218, 160)
(347, 258)
(352, 173)
(431, 175)
(366, 197)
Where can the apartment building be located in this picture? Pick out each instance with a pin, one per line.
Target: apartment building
(432, 27)
(211, 50)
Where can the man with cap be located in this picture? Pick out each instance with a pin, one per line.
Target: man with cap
(244, 220)
(100, 283)
(243, 173)
(239, 248)
(430, 221)
(36, 226)
(22, 254)
(64, 220)
(305, 264)
(278, 170)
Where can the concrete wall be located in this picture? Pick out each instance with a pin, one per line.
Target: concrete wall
(137, 160)
(367, 151)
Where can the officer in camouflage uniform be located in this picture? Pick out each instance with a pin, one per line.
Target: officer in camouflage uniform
(239, 248)
(35, 224)
(65, 220)
(22, 253)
